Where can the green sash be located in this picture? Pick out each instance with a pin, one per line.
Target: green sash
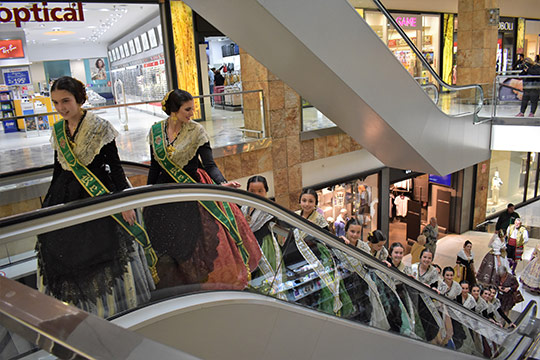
(225, 216)
(95, 187)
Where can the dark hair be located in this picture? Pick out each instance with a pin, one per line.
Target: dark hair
(309, 191)
(482, 290)
(102, 61)
(393, 246)
(376, 237)
(476, 285)
(509, 206)
(424, 250)
(446, 269)
(492, 287)
(437, 266)
(71, 85)
(352, 221)
(464, 282)
(174, 100)
(257, 179)
(467, 242)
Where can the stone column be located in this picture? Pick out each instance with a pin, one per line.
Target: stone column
(282, 113)
(476, 61)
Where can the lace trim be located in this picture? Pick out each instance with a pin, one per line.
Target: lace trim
(187, 142)
(93, 134)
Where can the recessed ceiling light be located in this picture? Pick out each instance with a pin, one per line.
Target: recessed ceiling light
(104, 10)
(54, 39)
(59, 32)
(91, 27)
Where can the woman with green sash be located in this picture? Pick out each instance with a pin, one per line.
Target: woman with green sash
(98, 266)
(271, 267)
(203, 242)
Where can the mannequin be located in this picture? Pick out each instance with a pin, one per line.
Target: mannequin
(496, 183)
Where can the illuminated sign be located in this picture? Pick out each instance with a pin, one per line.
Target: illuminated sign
(408, 22)
(506, 26)
(36, 13)
(16, 76)
(10, 49)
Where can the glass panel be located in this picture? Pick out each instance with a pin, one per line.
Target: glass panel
(100, 267)
(533, 165)
(516, 95)
(313, 119)
(507, 179)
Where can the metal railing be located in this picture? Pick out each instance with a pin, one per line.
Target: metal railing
(509, 90)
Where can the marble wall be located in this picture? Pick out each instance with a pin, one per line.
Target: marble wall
(476, 61)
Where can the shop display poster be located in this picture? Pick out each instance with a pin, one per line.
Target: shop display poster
(16, 76)
(160, 35)
(97, 70)
(144, 39)
(122, 53)
(137, 44)
(152, 37)
(132, 47)
(126, 49)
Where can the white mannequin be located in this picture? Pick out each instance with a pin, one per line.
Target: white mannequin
(496, 183)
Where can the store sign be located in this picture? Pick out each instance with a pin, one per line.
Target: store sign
(16, 77)
(506, 26)
(10, 49)
(409, 22)
(40, 14)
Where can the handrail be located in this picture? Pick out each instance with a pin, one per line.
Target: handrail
(432, 86)
(129, 104)
(57, 217)
(71, 333)
(420, 56)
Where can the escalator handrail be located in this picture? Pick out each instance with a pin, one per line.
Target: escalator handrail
(49, 219)
(420, 56)
(68, 332)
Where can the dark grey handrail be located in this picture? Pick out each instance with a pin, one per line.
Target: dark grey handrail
(420, 56)
(70, 333)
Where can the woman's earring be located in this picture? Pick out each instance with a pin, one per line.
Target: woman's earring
(172, 117)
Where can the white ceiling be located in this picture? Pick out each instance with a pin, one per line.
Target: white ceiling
(103, 23)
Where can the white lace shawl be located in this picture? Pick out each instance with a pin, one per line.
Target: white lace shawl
(430, 276)
(464, 256)
(257, 219)
(93, 133)
(481, 305)
(469, 303)
(191, 136)
(450, 292)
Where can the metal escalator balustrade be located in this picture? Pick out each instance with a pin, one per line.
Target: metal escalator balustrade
(305, 266)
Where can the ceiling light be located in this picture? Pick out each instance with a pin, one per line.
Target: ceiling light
(91, 27)
(103, 9)
(54, 39)
(59, 32)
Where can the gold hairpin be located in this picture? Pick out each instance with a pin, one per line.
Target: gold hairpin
(164, 101)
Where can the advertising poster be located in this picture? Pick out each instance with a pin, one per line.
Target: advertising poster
(98, 69)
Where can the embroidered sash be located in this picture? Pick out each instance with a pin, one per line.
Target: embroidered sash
(95, 187)
(331, 283)
(225, 216)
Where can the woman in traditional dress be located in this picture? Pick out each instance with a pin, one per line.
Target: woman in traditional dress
(360, 286)
(426, 273)
(97, 266)
(465, 298)
(271, 266)
(493, 260)
(396, 312)
(530, 277)
(332, 298)
(506, 285)
(203, 242)
(517, 236)
(481, 304)
(465, 257)
(448, 287)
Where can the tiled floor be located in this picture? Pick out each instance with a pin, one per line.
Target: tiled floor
(18, 151)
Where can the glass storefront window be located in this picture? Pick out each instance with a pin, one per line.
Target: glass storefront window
(533, 167)
(532, 40)
(358, 198)
(506, 179)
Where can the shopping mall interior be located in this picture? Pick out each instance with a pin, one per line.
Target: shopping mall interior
(389, 116)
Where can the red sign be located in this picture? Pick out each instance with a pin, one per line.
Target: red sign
(11, 49)
(36, 13)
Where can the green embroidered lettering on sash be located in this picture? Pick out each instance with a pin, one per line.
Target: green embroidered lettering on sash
(95, 187)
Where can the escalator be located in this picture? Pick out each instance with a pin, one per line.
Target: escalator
(340, 303)
(328, 53)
